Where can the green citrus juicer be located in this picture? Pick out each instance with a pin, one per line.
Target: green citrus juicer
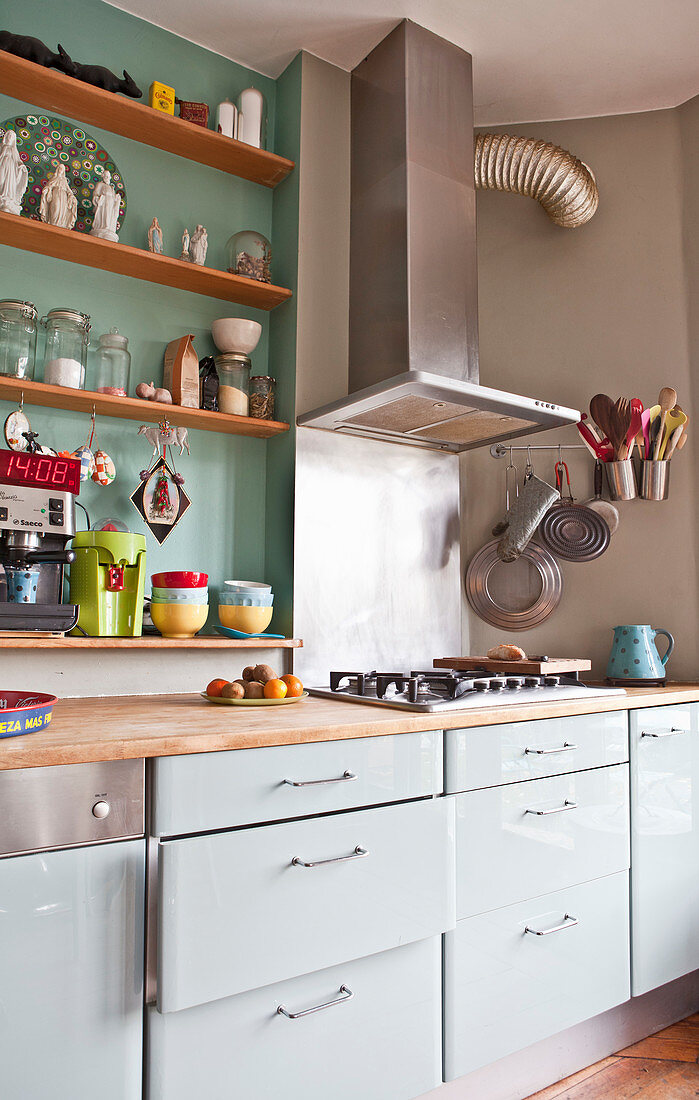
(107, 581)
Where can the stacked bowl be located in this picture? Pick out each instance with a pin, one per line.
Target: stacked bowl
(246, 606)
(179, 603)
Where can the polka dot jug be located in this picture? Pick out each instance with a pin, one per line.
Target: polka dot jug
(634, 656)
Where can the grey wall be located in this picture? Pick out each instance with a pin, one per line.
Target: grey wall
(607, 307)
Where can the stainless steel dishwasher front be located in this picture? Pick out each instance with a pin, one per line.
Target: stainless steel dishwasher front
(72, 869)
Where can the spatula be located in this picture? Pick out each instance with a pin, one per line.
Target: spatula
(667, 398)
(647, 418)
(636, 406)
(601, 411)
(674, 419)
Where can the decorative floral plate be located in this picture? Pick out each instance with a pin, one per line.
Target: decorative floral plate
(44, 142)
(254, 702)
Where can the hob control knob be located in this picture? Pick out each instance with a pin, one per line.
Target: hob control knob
(101, 810)
(481, 685)
(551, 681)
(532, 681)
(514, 682)
(497, 685)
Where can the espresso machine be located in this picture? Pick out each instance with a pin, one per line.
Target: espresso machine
(37, 521)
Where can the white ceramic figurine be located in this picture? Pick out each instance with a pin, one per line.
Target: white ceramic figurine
(13, 175)
(199, 245)
(155, 238)
(59, 205)
(106, 203)
(185, 247)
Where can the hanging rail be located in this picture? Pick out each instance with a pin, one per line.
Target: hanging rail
(499, 450)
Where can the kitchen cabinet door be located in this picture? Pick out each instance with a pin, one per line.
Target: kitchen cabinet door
(71, 973)
(382, 1043)
(664, 844)
(506, 988)
(246, 908)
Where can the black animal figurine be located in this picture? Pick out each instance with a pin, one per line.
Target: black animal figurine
(33, 49)
(101, 77)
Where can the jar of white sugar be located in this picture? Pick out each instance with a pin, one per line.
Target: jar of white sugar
(233, 383)
(67, 340)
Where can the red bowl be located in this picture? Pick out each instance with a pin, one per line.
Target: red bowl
(180, 579)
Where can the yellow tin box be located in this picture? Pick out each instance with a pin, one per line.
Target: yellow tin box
(162, 98)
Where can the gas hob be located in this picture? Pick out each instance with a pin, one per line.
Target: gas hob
(444, 689)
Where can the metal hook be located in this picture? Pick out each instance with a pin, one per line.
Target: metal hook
(510, 466)
(21, 401)
(529, 468)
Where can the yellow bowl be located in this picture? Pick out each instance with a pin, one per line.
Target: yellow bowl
(179, 620)
(250, 620)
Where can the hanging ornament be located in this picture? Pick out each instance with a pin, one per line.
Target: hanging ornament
(160, 498)
(87, 461)
(105, 470)
(16, 425)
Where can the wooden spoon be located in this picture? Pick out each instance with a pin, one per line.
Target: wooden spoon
(673, 443)
(667, 398)
(620, 424)
(683, 437)
(601, 411)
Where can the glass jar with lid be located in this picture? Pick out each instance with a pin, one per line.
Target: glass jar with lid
(113, 364)
(262, 392)
(67, 340)
(233, 383)
(250, 254)
(17, 338)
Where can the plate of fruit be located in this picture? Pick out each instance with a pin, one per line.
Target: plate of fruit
(259, 686)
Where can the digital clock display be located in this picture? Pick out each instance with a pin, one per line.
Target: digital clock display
(40, 471)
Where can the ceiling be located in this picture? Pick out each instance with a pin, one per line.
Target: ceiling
(534, 60)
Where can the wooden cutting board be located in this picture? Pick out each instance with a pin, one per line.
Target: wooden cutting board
(553, 666)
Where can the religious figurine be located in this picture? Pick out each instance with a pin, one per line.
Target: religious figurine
(199, 245)
(59, 205)
(185, 248)
(106, 203)
(13, 175)
(155, 238)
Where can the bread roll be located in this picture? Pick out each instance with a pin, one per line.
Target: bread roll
(506, 653)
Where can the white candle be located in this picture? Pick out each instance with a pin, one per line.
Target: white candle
(251, 113)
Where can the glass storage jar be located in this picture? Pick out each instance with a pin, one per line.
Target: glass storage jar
(250, 254)
(262, 393)
(113, 364)
(17, 338)
(233, 383)
(67, 339)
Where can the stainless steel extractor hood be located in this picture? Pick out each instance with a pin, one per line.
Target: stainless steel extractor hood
(413, 362)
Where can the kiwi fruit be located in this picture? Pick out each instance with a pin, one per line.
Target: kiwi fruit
(249, 672)
(232, 691)
(254, 690)
(263, 673)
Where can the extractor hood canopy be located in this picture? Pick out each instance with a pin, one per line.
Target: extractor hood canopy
(413, 370)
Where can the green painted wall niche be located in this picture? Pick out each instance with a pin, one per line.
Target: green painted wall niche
(224, 531)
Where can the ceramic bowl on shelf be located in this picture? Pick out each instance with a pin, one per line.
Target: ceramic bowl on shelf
(250, 620)
(180, 579)
(180, 595)
(179, 620)
(234, 599)
(236, 335)
(248, 588)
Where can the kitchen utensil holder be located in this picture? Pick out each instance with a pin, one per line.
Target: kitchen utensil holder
(655, 480)
(621, 479)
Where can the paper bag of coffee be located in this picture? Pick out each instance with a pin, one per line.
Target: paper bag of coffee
(181, 372)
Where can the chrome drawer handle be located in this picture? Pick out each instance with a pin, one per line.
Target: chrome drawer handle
(348, 777)
(556, 809)
(549, 752)
(568, 922)
(347, 996)
(358, 853)
(664, 733)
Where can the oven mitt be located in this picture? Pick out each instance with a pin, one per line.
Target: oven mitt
(525, 515)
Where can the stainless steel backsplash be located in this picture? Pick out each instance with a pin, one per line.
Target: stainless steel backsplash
(376, 555)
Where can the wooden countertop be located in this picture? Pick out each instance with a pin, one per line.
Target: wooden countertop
(135, 726)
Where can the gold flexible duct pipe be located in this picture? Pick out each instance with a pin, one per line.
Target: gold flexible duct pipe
(565, 187)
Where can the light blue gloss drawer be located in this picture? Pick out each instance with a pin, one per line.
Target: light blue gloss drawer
(244, 909)
(223, 789)
(383, 1042)
(506, 988)
(487, 756)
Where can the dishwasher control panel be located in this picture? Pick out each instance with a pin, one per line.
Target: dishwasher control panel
(69, 805)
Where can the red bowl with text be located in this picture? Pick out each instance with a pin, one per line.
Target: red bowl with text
(180, 579)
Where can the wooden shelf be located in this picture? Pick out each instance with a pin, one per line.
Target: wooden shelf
(53, 91)
(81, 248)
(132, 408)
(150, 641)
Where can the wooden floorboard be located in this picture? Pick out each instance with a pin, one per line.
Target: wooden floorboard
(665, 1066)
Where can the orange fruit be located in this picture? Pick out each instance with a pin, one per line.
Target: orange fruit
(294, 687)
(215, 687)
(275, 689)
